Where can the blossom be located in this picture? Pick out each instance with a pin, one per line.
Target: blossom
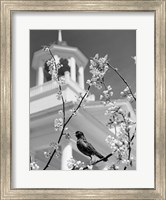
(61, 80)
(53, 69)
(67, 136)
(126, 93)
(60, 112)
(125, 161)
(119, 147)
(47, 154)
(107, 95)
(113, 108)
(114, 118)
(90, 167)
(34, 166)
(74, 164)
(54, 145)
(74, 111)
(98, 68)
(57, 154)
(112, 142)
(59, 95)
(58, 123)
(82, 98)
(113, 167)
(46, 48)
(134, 58)
(79, 97)
(129, 121)
(130, 98)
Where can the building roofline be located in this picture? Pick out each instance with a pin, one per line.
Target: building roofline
(41, 56)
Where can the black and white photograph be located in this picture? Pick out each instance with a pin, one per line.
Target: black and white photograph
(82, 100)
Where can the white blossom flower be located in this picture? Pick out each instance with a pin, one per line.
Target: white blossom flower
(58, 123)
(46, 48)
(98, 67)
(34, 166)
(90, 167)
(72, 163)
(112, 108)
(126, 93)
(47, 154)
(107, 95)
(57, 154)
(116, 167)
(130, 98)
(59, 95)
(61, 80)
(54, 145)
(113, 167)
(53, 70)
(60, 112)
(67, 136)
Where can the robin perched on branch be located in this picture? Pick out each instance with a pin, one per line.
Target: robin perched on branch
(85, 147)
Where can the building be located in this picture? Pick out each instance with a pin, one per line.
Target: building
(45, 107)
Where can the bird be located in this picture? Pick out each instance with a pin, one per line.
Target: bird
(85, 147)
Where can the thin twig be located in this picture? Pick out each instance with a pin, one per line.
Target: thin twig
(64, 123)
(104, 85)
(47, 165)
(102, 159)
(129, 148)
(63, 105)
(51, 54)
(116, 71)
(73, 113)
(31, 162)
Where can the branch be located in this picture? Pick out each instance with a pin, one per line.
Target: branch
(63, 104)
(65, 123)
(47, 165)
(102, 159)
(129, 148)
(51, 54)
(52, 155)
(104, 84)
(31, 162)
(116, 71)
(73, 113)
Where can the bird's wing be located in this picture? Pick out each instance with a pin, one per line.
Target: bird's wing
(83, 147)
(93, 150)
(87, 148)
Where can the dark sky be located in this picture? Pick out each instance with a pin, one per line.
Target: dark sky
(120, 45)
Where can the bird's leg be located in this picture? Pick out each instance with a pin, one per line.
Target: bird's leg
(91, 161)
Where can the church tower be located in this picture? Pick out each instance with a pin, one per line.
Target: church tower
(72, 58)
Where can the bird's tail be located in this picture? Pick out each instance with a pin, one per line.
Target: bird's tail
(100, 156)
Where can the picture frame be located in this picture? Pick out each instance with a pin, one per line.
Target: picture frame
(7, 8)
